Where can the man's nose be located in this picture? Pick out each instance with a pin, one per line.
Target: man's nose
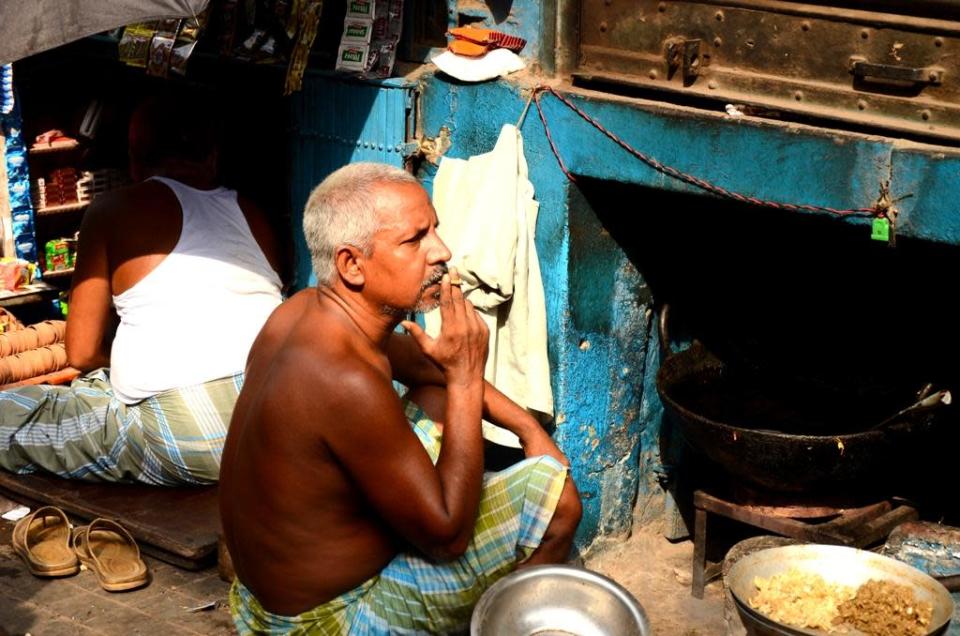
(440, 253)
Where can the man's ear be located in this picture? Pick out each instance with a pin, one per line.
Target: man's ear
(349, 261)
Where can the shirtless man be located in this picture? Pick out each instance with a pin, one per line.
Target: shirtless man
(185, 274)
(341, 509)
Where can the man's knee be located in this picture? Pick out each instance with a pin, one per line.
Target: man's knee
(568, 513)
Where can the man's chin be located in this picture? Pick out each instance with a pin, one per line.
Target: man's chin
(426, 305)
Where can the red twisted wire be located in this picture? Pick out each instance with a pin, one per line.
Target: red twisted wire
(676, 174)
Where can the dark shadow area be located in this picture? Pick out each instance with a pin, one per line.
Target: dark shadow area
(499, 9)
(274, 149)
(841, 329)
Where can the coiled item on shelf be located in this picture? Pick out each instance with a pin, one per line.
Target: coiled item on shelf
(9, 322)
(34, 362)
(40, 334)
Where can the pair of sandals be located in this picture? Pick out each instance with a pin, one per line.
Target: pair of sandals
(51, 547)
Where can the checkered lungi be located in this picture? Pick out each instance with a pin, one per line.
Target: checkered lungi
(415, 596)
(83, 432)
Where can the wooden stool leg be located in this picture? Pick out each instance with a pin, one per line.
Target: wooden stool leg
(699, 552)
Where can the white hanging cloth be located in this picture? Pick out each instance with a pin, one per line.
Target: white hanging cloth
(488, 218)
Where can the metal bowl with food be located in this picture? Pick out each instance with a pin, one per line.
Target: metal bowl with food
(558, 599)
(835, 568)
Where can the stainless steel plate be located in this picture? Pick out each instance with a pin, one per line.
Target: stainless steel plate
(838, 565)
(558, 599)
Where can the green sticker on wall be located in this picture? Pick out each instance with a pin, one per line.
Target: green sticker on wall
(881, 229)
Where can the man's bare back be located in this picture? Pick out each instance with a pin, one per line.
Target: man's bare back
(284, 450)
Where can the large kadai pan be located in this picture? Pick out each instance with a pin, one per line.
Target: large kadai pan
(807, 442)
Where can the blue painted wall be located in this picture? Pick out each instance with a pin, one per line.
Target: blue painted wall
(340, 121)
(602, 342)
(603, 349)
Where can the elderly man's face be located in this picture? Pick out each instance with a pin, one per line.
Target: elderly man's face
(408, 258)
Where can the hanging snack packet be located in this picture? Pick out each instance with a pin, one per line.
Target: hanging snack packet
(308, 20)
(161, 46)
(353, 57)
(190, 30)
(373, 57)
(357, 31)
(364, 9)
(134, 46)
(26, 248)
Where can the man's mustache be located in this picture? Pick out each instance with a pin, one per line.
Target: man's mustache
(436, 277)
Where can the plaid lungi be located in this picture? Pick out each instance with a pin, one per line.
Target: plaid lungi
(83, 432)
(415, 596)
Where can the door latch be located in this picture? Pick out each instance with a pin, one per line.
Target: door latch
(684, 55)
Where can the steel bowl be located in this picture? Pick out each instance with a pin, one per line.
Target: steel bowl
(558, 599)
(837, 565)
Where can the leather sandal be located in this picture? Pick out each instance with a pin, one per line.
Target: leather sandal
(42, 540)
(110, 551)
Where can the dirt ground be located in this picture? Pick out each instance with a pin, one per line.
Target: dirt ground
(657, 573)
(654, 570)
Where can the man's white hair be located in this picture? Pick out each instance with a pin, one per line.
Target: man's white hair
(342, 210)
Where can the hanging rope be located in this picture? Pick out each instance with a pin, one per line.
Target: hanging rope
(876, 210)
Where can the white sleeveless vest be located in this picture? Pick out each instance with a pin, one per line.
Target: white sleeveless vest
(194, 317)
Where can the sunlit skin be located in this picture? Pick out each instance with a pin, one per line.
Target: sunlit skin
(323, 481)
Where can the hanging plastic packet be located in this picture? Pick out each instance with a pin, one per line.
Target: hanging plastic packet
(19, 194)
(308, 20)
(17, 164)
(354, 51)
(190, 30)
(21, 222)
(161, 47)
(357, 31)
(134, 45)
(386, 35)
(6, 89)
(371, 31)
(26, 248)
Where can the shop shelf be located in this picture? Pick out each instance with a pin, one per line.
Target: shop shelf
(67, 207)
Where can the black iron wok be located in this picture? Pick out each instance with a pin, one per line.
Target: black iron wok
(785, 438)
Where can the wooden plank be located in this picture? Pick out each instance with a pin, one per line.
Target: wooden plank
(780, 525)
(65, 375)
(177, 525)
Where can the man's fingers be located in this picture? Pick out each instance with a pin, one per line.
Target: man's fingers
(456, 294)
(419, 335)
(446, 304)
(477, 319)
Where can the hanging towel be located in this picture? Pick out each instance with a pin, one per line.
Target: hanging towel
(488, 218)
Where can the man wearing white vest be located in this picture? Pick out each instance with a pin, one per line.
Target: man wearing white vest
(184, 273)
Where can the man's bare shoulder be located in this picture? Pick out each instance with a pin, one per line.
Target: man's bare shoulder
(304, 344)
(138, 199)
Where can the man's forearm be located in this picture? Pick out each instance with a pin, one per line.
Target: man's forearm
(504, 412)
(409, 365)
(412, 368)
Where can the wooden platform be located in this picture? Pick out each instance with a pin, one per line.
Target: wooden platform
(176, 525)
